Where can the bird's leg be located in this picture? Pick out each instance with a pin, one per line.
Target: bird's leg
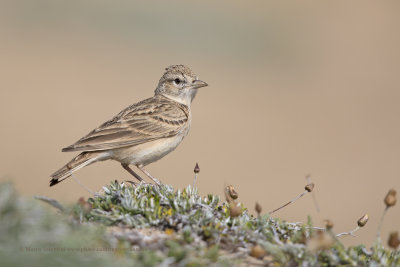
(126, 167)
(140, 167)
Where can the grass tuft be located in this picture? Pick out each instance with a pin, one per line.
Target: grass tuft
(151, 225)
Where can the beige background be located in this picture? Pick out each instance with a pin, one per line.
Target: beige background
(294, 89)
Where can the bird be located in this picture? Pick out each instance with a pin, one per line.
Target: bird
(143, 132)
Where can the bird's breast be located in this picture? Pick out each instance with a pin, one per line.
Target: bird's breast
(149, 152)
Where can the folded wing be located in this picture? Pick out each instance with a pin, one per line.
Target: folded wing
(148, 120)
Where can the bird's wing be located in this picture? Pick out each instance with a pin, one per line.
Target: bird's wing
(149, 120)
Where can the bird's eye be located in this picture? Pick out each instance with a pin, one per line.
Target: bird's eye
(177, 81)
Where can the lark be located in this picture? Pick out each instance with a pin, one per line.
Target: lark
(143, 132)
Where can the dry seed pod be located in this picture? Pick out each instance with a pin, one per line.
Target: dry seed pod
(257, 252)
(303, 239)
(234, 210)
(394, 240)
(309, 187)
(228, 197)
(363, 220)
(390, 199)
(81, 201)
(86, 206)
(232, 192)
(321, 241)
(258, 208)
(328, 224)
(196, 168)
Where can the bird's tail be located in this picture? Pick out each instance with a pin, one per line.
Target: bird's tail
(80, 161)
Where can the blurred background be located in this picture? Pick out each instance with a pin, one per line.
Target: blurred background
(294, 89)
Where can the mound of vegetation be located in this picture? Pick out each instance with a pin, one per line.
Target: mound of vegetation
(148, 225)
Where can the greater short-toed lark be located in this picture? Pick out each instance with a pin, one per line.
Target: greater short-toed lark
(143, 132)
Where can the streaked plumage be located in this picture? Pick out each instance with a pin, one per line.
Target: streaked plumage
(143, 132)
(151, 119)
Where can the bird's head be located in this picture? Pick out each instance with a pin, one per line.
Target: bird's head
(180, 84)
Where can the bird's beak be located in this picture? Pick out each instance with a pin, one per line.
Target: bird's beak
(198, 84)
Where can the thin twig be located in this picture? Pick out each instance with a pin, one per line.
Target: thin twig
(351, 233)
(291, 201)
(378, 232)
(308, 177)
(316, 228)
(83, 186)
(195, 178)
